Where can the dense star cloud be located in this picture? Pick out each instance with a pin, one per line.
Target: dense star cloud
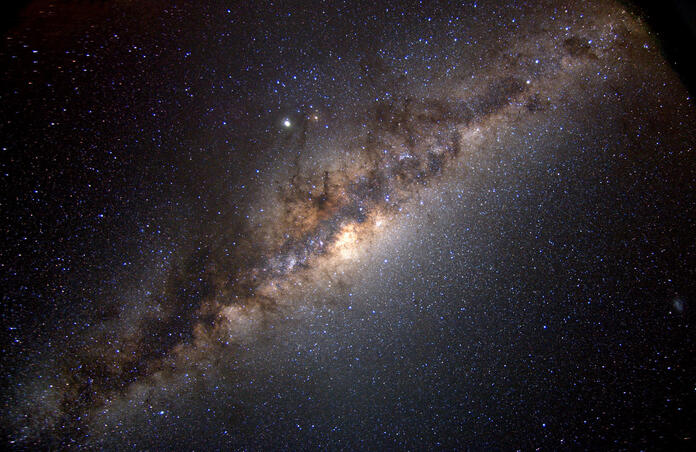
(345, 225)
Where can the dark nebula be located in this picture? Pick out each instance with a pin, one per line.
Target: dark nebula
(350, 225)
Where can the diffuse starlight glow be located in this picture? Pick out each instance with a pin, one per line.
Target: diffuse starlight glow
(330, 218)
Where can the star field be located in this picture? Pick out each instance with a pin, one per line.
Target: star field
(345, 225)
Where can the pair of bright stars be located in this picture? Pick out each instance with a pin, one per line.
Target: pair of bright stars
(287, 123)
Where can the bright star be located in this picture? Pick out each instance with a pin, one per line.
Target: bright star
(286, 122)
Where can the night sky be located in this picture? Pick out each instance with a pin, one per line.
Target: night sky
(346, 225)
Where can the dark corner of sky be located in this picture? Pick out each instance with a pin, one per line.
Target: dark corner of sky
(10, 13)
(674, 23)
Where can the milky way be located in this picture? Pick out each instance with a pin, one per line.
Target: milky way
(516, 164)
